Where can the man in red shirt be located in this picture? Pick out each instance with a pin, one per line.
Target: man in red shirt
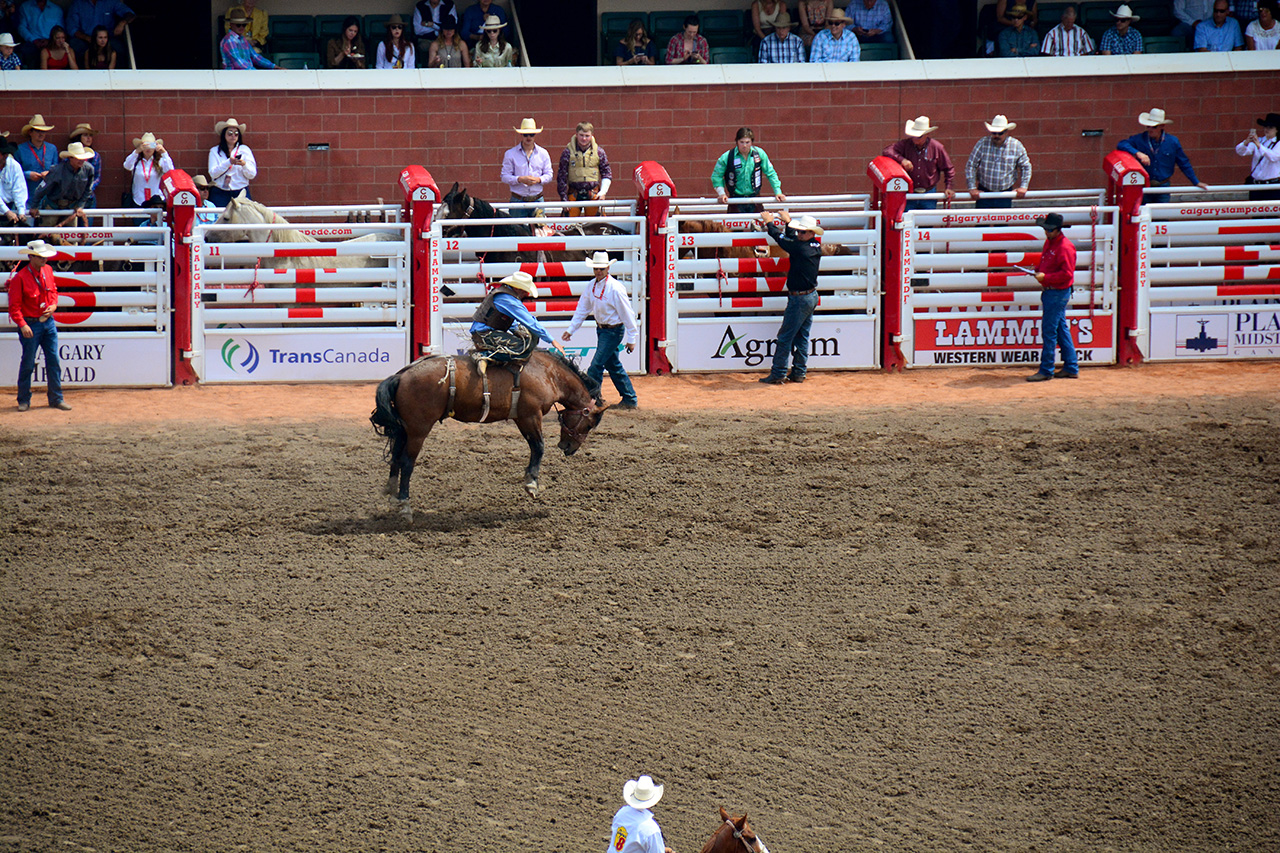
(33, 297)
(1056, 272)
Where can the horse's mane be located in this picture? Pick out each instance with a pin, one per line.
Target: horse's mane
(571, 364)
(270, 217)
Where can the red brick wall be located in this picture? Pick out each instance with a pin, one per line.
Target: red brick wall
(820, 137)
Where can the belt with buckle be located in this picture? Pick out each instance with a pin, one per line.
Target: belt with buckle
(609, 326)
(801, 292)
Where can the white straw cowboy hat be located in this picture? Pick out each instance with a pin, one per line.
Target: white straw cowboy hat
(523, 282)
(148, 138)
(783, 20)
(642, 793)
(37, 123)
(78, 151)
(83, 128)
(600, 261)
(1000, 124)
(1125, 12)
(528, 126)
(223, 125)
(919, 126)
(6, 40)
(806, 223)
(493, 22)
(39, 248)
(1155, 118)
(200, 181)
(837, 15)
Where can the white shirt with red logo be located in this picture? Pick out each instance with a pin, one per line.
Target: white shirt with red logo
(635, 831)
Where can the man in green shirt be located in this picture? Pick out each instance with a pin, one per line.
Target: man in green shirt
(740, 172)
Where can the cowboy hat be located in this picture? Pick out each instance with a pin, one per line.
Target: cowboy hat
(1155, 118)
(7, 147)
(39, 248)
(200, 181)
(148, 138)
(223, 125)
(806, 222)
(493, 22)
(527, 125)
(523, 282)
(1051, 220)
(1125, 12)
(642, 793)
(1000, 124)
(1272, 120)
(37, 123)
(78, 151)
(600, 261)
(838, 16)
(919, 126)
(239, 18)
(394, 21)
(6, 40)
(448, 22)
(82, 128)
(783, 20)
(1018, 11)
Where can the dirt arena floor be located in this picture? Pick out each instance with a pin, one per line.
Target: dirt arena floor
(941, 611)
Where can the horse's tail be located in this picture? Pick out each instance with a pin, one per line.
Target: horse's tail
(386, 420)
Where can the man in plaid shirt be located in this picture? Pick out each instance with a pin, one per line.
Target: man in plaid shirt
(1067, 39)
(872, 20)
(834, 44)
(781, 45)
(1122, 39)
(237, 50)
(998, 163)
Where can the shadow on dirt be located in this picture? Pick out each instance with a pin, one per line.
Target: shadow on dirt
(428, 520)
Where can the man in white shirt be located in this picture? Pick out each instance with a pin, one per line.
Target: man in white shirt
(634, 830)
(1189, 13)
(1067, 39)
(1265, 153)
(605, 299)
(13, 186)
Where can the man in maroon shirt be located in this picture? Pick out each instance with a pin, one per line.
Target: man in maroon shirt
(33, 296)
(1056, 272)
(924, 158)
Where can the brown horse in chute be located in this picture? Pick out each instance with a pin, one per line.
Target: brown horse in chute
(734, 835)
(426, 392)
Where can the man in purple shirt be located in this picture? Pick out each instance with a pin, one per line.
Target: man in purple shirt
(924, 158)
(526, 167)
(84, 15)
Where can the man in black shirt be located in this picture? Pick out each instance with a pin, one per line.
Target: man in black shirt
(802, 244)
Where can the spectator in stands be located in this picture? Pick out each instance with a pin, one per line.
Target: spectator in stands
(494, 51)
(1019, 39)
(636, 48)
(449, 50)
(1265, 151)
(1122, 39)
(872, 21)
(231, 163)
(1159, 152)
(605, 300)
(835, 43)
(84, 15)
(100, 56)
(1189, 14)
(427, 15)
(926, 160)
(84, 134)
(687, 47)
(1220, 34)
(1004, 19)
(57, 55)
(9, 59)
(395, 51)
(33, 297)
(259, 24)
(67, 186)
(347, 49)
(764, 16)
(782, 45)
(525, 168)
(36, 18)
(741, 171)
(475, 18)
(813, 16)
(585, 173)
(800, 242)
(36, 155)
(237, 51)
(1244, 11)
(998, 163)
(148, 162)
(204, 210)
(8, 16)
(1067, 39)
(1056, 273)
(13, 186)
(1264, 33)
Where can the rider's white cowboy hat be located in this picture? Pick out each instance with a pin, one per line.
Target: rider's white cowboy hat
(1000, 124)
(223, 125)
(39, 248)
(37, 123)
(148, 138)
(528, 126)
(78, 151)
(806, 223)
(493, 22)
(6, 40)
(1155, 118)
(642, 793)
(919, 126)
(83, 128)
(1125, 12)
(523, 282)
(600, 261)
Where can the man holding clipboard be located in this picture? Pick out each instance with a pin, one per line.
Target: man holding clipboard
(1056, 272)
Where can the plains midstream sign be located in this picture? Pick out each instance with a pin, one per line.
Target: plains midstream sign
(1246, 331)
(137, 359)
(323, 355)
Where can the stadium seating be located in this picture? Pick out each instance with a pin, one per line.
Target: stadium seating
(298, 60)
(878, 52)
(291, 33)
(722, 27)
(731, 55)
(1163, 44)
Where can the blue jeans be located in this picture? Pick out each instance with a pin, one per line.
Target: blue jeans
(993, 203)
(1055, 332)
(606, 358)
(793, 336)
(923, 204)
(44, 335)
(525, 211)
(1157, 198)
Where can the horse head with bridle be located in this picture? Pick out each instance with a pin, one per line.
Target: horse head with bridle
(734, 835)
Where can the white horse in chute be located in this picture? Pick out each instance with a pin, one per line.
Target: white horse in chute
(246, 211)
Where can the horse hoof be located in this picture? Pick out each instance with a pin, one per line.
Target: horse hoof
(405, 512)
(389, 488)
(532, 488)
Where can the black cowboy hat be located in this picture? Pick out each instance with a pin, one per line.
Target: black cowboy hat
(1272, 120)
(7, 147)
(1051, 220)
